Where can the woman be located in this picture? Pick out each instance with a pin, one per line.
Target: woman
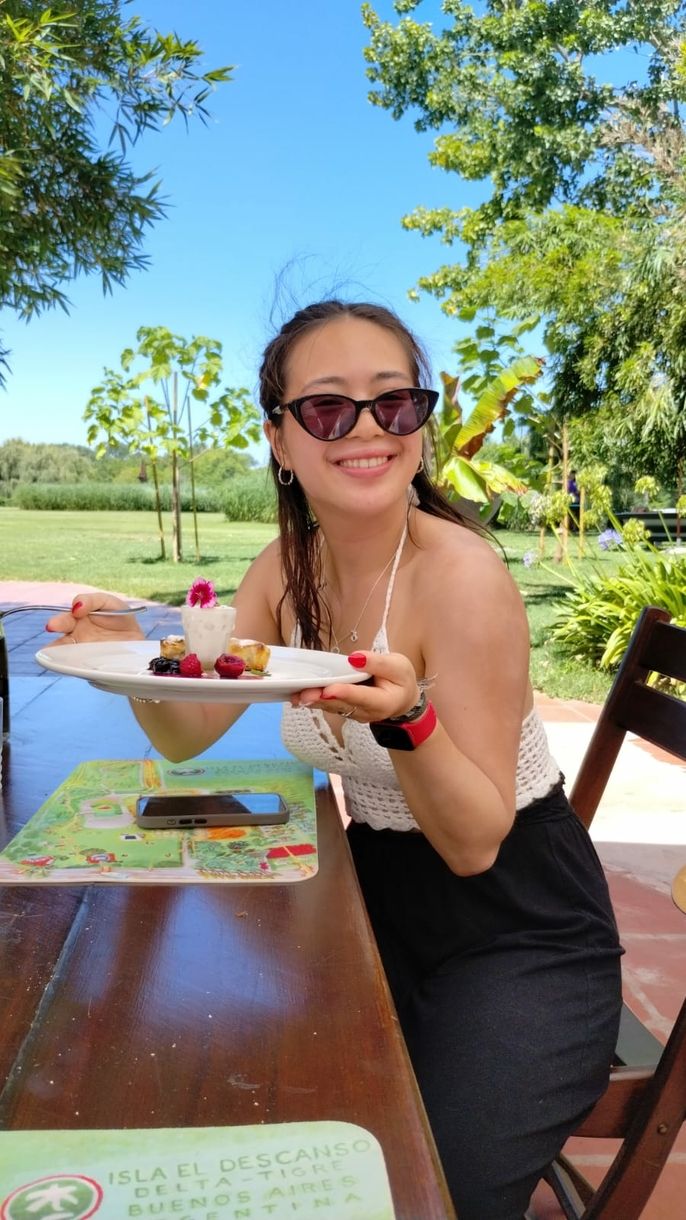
(487, 899)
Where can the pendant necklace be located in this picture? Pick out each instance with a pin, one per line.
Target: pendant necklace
(352, 635)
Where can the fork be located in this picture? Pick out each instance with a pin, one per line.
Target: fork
(67, 610)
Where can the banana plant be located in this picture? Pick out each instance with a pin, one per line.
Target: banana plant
(459, 472)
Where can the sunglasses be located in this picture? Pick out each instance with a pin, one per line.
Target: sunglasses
(331, 416)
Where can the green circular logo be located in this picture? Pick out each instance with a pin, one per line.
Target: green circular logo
(63, 1196)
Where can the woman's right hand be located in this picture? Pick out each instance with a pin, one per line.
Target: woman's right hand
(78, 628)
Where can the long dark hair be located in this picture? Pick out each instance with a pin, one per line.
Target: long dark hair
(300, 551)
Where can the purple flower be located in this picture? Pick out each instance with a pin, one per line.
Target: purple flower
(609, 539)
(529, 559)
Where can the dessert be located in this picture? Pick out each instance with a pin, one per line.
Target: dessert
(207, 626)
(207, 648)
(165, 667)
(254, 653)
(190, 667)
(228, 666)
(173, 647)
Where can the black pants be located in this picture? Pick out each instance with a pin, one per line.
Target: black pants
(507, 986)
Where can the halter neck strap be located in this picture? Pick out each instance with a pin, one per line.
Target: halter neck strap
(391, 579)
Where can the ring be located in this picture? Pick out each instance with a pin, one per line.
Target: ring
(348, 714)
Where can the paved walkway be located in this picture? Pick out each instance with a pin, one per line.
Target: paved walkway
(640, 834)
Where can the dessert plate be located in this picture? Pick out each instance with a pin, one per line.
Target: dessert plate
(122, 669)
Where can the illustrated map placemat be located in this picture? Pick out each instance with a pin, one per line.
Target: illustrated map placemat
(86, 830)
(313, 1171)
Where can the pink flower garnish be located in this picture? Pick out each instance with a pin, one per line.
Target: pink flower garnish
(202, 594)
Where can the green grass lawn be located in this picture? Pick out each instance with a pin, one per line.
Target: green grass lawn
(121, 551)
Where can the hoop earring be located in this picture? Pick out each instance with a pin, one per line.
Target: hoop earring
(420, 467)
(282, 481)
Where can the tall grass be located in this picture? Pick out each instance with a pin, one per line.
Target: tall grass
(244, 497)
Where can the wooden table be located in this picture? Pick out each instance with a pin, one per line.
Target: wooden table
(144, 1006)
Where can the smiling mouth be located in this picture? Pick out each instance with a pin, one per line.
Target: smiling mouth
(364, 463)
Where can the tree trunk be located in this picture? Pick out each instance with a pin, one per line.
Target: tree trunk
(563, 536)
(158, 509)
(548, 485)
(177, 546)
(177, 543)
(192, 473)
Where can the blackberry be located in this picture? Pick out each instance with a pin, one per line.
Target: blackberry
(164, 667)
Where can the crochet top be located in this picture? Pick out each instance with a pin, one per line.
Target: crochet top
(370, 784)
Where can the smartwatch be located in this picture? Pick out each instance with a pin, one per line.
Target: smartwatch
(408, 731)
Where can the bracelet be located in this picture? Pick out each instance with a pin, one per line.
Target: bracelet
(413, 714)
(137, 699)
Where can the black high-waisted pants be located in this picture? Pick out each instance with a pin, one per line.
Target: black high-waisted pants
(507, 986)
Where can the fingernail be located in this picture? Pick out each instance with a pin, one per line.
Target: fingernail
(76, 606)
(358, 659)
(327, 696)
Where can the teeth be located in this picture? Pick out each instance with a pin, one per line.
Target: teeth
(364, 463)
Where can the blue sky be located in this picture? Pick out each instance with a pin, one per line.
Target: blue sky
(296, 171)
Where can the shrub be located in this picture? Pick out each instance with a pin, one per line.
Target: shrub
(250, 497)
(598, 614)
(111, 497)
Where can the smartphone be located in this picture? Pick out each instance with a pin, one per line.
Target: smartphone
(168, 811)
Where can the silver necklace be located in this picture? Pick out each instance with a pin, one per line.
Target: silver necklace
(352, 635)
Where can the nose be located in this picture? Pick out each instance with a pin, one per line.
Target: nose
(366, 425)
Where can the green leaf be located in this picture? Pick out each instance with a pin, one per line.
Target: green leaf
(464, 480)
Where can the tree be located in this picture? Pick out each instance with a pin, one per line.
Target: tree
(527, 113)
(69, 203)
(159, 422)
(23, 462)
(585, 185)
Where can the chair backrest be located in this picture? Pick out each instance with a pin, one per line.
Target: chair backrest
(643, 1106)
(656, 646)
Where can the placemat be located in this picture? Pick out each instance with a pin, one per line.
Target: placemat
(313, 1171)
(86, 831)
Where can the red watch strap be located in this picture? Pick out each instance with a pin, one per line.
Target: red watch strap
(420, 729)
(405, 734)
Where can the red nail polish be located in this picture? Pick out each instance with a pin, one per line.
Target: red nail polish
(358, 659)
(76, 606)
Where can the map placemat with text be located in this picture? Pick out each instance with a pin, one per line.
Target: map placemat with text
(86, 830)
(312, 1170)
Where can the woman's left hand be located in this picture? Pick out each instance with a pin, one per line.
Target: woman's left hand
(392, 691)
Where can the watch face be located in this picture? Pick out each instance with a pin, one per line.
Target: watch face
(404, 736)
(392, 736)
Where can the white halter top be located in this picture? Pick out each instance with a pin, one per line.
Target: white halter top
(372, 791)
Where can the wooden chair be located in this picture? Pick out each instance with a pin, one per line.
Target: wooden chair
(645, 1103)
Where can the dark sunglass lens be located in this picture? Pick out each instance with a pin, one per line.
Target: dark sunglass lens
(327, 416)
(403, 411)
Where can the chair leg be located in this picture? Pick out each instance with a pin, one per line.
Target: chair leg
(570, 1187)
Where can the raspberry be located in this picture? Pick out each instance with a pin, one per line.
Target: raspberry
(164, 667)
(228, 666)
(190, 667)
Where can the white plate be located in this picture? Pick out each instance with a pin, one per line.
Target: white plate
(122, 669)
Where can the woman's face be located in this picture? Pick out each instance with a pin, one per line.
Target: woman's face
(368, 468)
